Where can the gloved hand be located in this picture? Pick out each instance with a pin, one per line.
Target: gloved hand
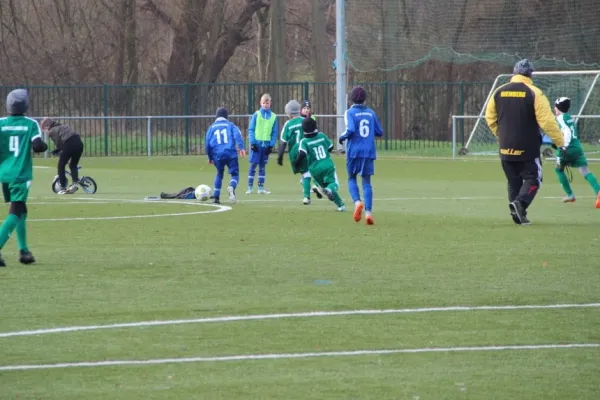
(55, 152)
(341, 141)
(254, 147)
(269, 150)
(280, 160)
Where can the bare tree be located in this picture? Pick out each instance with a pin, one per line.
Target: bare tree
(276, 71)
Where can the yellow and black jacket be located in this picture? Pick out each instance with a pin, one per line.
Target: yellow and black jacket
(515, 113)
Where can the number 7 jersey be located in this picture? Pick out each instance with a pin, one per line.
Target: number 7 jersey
(16, 135)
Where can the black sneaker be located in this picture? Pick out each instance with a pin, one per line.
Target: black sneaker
(216, 200)
(26, 257)
(2, 263)
(317, 191)
(517, 211)
(525, 220)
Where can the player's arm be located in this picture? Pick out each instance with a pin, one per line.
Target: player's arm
(329, 144)
(378, 128)
(251, 129)
(282, 144)
(274, 133)
(566, 131)
(350, 127)
(207, 146)
(239, 140)
(546, 120)
(37, 141)
(301, 155)
(491, 115)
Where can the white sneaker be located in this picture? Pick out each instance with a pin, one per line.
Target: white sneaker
(306, 201)
(73, 188)
(231, 192)
(249, 191)
(263, 191)
(341, 209)
(317, 190)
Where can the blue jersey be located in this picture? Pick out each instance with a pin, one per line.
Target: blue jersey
(222, 138)
(362, 126)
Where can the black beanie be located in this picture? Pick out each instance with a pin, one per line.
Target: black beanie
(563, 104)
(309, 125)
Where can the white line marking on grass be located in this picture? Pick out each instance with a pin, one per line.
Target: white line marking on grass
(282, 356)
(216, 208)
(471, 198)
(40, 167)
(309, 314)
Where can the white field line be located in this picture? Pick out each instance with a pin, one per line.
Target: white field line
(469, 198)
(309, 314)
(281, 356)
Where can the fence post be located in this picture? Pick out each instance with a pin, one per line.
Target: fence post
(453, 137)
(306, 91)
(462, 112)
(149, 135)
(105, 107)
(250, 98)
(386, 111)
(187, 120)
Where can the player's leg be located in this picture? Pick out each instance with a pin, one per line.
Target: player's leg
(19, 196)
(63, 158)
(368, 193)
(233, 167)
(368, 170)
(582, 165)
(352, 166)
(512, 171)
(559, 169)
(254, 158)
(332, 186)
(218, 183)
(76, 150)
(531, 175)
(262, 171)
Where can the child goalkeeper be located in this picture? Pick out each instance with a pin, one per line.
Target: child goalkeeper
(573, 155)
(291, 134)
(315, 148)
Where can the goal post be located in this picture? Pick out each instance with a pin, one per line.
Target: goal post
(582, 87)
(590, 142)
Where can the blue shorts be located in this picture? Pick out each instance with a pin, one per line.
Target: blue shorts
(360, 166)
(259, 157)
(232, 165)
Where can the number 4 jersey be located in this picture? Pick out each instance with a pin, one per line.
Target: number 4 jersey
(16, 135)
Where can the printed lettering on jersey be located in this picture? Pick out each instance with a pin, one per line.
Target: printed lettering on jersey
(15, 128)
(511, 152)
(316, 141)
(509, 93)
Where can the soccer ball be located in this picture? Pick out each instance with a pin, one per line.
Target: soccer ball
(203, 192)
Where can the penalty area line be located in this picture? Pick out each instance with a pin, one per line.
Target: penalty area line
(310, 314)
(282, 356)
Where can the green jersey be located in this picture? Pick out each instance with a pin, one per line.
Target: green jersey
(317, 150)
(16, 135)
(292, 132)
(569, 129)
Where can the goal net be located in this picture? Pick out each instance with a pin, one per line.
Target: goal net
(389, 35)
(582, 87)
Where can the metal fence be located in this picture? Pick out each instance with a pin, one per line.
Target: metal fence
(113, 119)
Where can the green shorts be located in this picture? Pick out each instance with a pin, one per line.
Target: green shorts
(303, 165)
(16, 191)
(324, 176)
(573, 157)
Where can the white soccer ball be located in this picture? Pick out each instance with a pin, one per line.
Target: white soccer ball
(203, 192)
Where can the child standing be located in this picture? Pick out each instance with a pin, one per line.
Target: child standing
(262, 134)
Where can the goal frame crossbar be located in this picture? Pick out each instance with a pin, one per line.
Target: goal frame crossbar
(537, 73)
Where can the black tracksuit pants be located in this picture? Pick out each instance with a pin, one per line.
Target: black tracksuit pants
(71, 154)
(524, 179)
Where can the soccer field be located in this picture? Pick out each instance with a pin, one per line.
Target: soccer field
(444, 298)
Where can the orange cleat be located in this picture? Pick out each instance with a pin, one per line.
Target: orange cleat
(358, 209)
(598, 201)
(369, 220)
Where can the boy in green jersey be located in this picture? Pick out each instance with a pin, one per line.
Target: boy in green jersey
(291, 134)
(315, 148)
(573, 155)
(19, 135)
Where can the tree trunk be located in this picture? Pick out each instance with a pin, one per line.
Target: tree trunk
(277, 69)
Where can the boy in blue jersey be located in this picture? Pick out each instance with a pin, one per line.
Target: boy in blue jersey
(223, 141)
(362, 126)
(262, 134)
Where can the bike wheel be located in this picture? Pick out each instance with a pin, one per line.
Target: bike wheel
(88, 184)
(56, 185)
